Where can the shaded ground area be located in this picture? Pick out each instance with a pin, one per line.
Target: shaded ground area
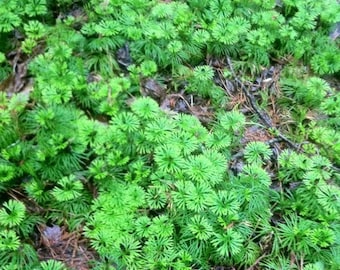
(71, 248)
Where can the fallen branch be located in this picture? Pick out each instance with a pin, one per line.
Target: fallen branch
(263, 115)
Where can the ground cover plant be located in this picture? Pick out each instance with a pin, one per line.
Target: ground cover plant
(169, 134)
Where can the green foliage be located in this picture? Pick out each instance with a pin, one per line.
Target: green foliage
(51, 265)
(16, 223)
(257, 152)
(153, 188)
(12, 214)
(70, 188)
(313, 94)
(310, 92)
(201, 82)
(185, 182)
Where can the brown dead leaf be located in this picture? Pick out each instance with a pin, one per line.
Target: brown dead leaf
(68, 247)
(255, 133)
(16, 81)
(152, 88)
(51, 236)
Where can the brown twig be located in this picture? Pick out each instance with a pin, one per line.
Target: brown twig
(263, 115)
(256, 262)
